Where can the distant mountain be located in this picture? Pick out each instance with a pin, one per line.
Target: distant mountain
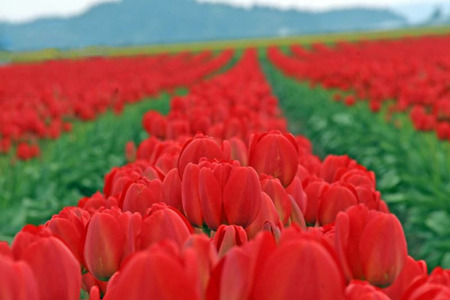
(137, 22)
(420, 11)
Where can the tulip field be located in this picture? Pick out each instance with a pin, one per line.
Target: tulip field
(299, 172)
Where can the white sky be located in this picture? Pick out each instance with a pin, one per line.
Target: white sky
(24, 10)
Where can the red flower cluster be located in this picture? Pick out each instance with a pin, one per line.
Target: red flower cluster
(217, 206)
(379, 71)
(39, 100)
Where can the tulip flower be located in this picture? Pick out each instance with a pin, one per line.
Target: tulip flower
(358, 290)
(17, 280)
(267, 214)
(228, 194)
(111, 236)
(203, 256)
(228, 237)
(198, 147)
(55, 269)
(232, 278)
(435, 286)
(410, 272)
(28, 235)
(163, 222)
(274, 154)
(333, 165)
(140, 195)
(273, 188)
(155, 273)
(70, 227)
(371, 245)
(171, 188)
(299, 268)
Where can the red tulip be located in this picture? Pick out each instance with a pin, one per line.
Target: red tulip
(338, 197)
(361, 290)
(140, 195)
(164, 223)
(203, 254)
(371, 245)
(232, 278)
(267, 214)
(314, 192)
(333, 165)
(190, 195)
(5, 250)
(274, 154)
(228, 193)
(273, 188)
(70, 227)
(436, 286)
(228, 237)
(28, 235)
(239, 150)
(171, 187)
(111, 236)
(410, 271)
(130, 151)
(299, 268)
(153, 274)
(17, 280)
(198, 147)
(55, 269)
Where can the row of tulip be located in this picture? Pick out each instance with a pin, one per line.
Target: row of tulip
(222, 203)
(379, 71)
(40, 100)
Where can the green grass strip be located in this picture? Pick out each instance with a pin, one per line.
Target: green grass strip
(412, 168)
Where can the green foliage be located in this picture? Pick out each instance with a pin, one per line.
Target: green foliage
(412, 168)
(71, 167)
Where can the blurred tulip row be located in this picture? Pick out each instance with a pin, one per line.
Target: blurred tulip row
(379, 71)
(221, 202)
(39, 100)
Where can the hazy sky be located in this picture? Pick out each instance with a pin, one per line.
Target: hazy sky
(23, 10)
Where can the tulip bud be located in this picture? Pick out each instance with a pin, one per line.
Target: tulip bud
(70, 227)
(111, 236)
(237, 263)
(229, 194)
(171, 187)
(140, 195)
(163, 222)
(227, 237)
(55, 269)
(273, 188)
(300, 266)
(17, 280)
(239, 151)
(190, 195)
(206, 258)
(410, 272)
(338, 197)
(267, 213)
(198, 147)
(370, 244)
(153, 274)
(28, 235)
(333, 165)
(274, 154)
(130, 151)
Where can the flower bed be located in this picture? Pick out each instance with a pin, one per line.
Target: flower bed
(412, 72)
(221, 202)
(39, 101)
